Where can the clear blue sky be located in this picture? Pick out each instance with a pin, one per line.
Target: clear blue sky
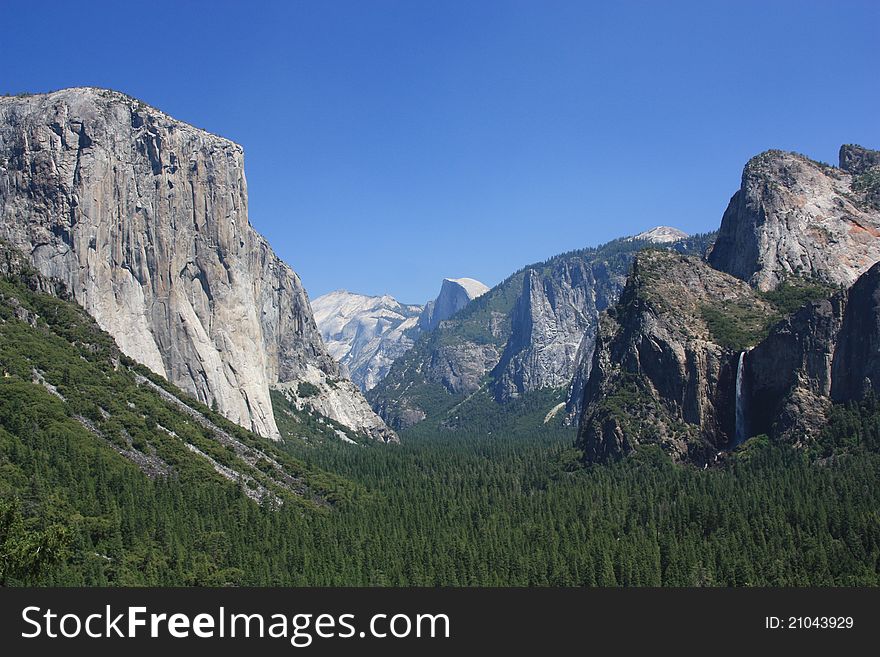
(390, 144)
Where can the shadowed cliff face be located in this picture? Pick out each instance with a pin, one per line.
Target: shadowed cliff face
(144, 219)
(856, 367)
(789, 372)
(794, 216)
(662, 372)
(829, 351)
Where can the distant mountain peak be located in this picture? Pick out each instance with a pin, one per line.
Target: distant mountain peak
(473, 287)
(661, 235)
(365, 333)
(455, 294)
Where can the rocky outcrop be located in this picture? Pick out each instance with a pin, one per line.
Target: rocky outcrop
(857, 160)
(664, 374)
(144, 220)
(662, 237)
(661, 372)
(789, 374)
(556, 312)
(829, 351)
(455, 294)
(794, 216)
(365, 334)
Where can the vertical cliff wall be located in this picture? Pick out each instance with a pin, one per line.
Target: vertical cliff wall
(144, 218)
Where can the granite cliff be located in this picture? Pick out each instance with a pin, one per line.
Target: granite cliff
(794, 216)
(455, 294)
(663, 372)
(144, 219)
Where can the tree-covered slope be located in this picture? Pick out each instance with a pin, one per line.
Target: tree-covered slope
(121, 463)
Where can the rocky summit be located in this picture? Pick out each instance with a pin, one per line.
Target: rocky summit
(144, 219)
(795, 216)
(661, 235)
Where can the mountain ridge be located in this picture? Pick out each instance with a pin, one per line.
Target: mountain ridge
(489, 343)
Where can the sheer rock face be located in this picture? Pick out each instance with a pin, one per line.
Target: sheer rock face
(658, 374)
(555, 314)
(792, 215)
(144, 219)
(455, 294)
(365, 334)
(856, 366)
(789, 374)
(827, 351)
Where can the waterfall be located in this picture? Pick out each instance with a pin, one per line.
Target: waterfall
(741, 430)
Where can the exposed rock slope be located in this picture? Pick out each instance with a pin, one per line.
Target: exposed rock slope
(365, 334)
(144, 219)
(455, 294)
(661, 235)
(792, 215)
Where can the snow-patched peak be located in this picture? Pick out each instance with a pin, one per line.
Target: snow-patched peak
(365, 333)
(661, 235)
(334, 310)
(455, 293)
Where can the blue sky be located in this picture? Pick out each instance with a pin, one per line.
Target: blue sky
(389, 144)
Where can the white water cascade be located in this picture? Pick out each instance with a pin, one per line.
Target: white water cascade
(741, 430)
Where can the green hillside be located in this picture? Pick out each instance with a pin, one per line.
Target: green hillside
(124, 467)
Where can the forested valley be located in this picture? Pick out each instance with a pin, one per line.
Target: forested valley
(108, 478)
